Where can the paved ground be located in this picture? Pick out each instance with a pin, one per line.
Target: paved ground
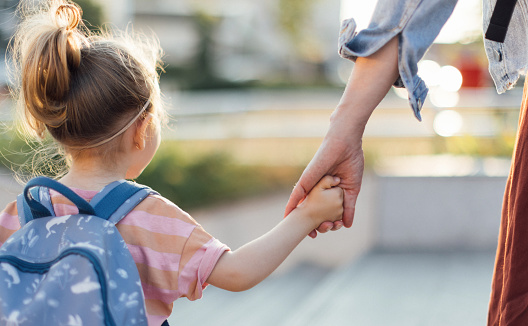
(381, 288)
(421, 289)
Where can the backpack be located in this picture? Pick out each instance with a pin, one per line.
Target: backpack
(72, 269)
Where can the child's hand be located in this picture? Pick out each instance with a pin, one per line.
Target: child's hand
(324, 202)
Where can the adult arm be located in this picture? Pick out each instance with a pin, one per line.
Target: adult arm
(341, 153)
(386, 52)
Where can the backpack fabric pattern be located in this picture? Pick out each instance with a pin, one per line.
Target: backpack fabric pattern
(73, 269)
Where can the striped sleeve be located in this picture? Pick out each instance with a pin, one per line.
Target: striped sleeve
(8, 222)
(173, 253)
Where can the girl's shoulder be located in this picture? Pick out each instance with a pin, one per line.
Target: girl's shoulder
(160, 206)
(10, 209)
(8, 221)
(158, 214)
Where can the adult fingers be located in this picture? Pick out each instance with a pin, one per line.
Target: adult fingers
(337, 225)
(296, 196)
(316, 169)
(307, 181)
(325, 227)
(349, 206)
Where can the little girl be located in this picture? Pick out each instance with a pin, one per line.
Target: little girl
(99, 99)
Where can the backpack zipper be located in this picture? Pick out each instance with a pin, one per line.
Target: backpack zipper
(41, 268)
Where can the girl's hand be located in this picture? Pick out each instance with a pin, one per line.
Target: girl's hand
(324, 202)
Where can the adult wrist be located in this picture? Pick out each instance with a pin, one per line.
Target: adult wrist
(346, 128)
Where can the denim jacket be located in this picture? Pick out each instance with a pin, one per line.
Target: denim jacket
(508, 60)
(417, 23)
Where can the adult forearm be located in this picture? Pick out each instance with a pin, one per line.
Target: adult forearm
(369, 82)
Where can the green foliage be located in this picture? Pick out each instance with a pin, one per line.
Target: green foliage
(292, 17)
(211, 178)
(29, 158)
(500, 146)
(14, 150)
(92, 14)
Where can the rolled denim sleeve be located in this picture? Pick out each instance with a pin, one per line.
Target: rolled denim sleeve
(415, 22)
(508, 60)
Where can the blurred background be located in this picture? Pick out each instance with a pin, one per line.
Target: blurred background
(250, 86)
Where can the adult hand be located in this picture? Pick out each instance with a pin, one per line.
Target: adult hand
(335, 157)
(341, 153)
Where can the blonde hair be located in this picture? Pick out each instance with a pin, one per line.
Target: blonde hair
(80, 87)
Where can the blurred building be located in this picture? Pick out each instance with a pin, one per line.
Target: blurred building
(7, 27)
(247, 40)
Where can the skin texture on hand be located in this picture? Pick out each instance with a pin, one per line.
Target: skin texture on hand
(339, 159)
(341, 152)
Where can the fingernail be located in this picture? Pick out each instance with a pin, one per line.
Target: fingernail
(338, 227)
(336, 179)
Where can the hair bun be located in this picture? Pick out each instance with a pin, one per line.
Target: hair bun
(68, 16)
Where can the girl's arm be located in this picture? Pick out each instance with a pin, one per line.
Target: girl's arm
(247, 266)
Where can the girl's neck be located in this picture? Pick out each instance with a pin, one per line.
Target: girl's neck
(91, 176)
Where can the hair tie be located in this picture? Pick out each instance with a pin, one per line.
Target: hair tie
(69, 15)
(104, 141)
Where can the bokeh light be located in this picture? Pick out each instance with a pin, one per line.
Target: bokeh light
(447, 123)
(444, 99)
(450, 79)
(429, 71)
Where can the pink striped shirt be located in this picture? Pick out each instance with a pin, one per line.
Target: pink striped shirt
(173, 253)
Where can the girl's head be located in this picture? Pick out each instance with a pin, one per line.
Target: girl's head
(84, 89)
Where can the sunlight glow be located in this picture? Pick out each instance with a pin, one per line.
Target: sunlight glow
(464, 25)
(450, 79)
(429, 70)
(361, 11)
(443, 99)
(447, 123)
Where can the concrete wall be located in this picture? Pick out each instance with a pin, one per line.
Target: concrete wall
(392, 213)
(422, 213)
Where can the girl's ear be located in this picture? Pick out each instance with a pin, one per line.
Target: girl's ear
(140, 137)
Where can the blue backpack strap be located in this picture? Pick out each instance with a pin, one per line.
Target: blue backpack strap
(117, 199)
(112, 203)
(42, 194)
(45, 199)
(37, 209)
(24, 212)
(130, 204)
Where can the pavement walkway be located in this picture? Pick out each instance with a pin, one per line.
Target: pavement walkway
(380, 288)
